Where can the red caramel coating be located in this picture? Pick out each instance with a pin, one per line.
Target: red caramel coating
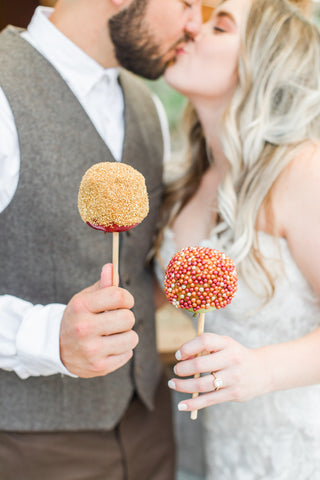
(113, 197)
(199, 279)
(112, 228)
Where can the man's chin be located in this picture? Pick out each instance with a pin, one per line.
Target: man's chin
(145, 71)
(158, 72)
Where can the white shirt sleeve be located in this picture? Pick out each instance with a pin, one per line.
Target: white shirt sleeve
(29, 337)
(29, 334)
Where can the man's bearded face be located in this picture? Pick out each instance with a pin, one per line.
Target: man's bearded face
(135, 46)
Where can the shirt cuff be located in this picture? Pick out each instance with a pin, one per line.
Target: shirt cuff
(38, 342)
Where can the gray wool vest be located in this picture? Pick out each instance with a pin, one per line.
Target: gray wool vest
(47, 254)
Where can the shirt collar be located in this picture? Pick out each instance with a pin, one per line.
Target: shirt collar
(77, 68)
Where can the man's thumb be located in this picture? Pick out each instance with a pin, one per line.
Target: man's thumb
(106, 276)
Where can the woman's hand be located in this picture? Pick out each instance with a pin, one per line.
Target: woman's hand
(242, 373)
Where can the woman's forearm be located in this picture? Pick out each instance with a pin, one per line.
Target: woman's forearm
(292, 364)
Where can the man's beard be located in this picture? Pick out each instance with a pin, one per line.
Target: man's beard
(135, 47)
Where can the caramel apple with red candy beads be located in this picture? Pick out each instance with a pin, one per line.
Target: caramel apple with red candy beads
(200, 279)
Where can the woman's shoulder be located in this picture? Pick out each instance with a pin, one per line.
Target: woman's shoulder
(305, 160)
(297, 188)
(296, 203)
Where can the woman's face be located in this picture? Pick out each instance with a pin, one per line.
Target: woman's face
(208, 67)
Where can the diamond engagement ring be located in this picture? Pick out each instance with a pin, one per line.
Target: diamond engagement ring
(217, 382)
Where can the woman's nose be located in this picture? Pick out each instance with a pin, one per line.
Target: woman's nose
(206, 29)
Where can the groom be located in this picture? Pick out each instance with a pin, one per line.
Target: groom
(82, 394)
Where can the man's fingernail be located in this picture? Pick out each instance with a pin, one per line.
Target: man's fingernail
(182, 406)
(171, 384)
(178, 355)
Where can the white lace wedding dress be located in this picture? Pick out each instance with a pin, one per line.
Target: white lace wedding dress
(275, 436)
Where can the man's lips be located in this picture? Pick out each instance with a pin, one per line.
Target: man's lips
(181, 44)
(183, 48)
(180, 51)
(180, 48)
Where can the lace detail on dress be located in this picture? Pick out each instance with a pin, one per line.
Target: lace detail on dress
(276, 436)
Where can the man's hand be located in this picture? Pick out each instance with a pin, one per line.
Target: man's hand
(96, 335)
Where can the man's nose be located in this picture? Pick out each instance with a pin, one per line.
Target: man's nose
(194, 23)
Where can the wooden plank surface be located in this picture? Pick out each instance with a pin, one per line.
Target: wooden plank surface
(173, 329)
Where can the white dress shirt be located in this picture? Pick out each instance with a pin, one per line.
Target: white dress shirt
(29, 334)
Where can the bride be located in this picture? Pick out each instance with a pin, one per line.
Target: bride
(251, 188)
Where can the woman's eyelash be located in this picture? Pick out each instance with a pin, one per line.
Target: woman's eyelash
(218, 29)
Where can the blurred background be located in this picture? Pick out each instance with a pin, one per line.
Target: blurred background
(19, 13)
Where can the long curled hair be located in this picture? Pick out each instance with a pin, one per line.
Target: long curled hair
(274, 110)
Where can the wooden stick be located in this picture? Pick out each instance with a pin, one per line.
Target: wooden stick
(115, 258)
(194, 413)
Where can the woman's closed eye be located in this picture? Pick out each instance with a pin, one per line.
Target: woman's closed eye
(218, 29)
(223, 22)
(188, 4)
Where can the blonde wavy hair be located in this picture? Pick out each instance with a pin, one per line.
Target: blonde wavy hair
(275, 109)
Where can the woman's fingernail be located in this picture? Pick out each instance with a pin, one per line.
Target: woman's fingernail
(171, 384)
(182, 406)
(178, 355)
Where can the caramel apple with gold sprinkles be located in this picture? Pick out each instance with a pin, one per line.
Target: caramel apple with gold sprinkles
(113, 198)
(200, 279)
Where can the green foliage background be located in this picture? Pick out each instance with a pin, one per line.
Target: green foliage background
(173, 102)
